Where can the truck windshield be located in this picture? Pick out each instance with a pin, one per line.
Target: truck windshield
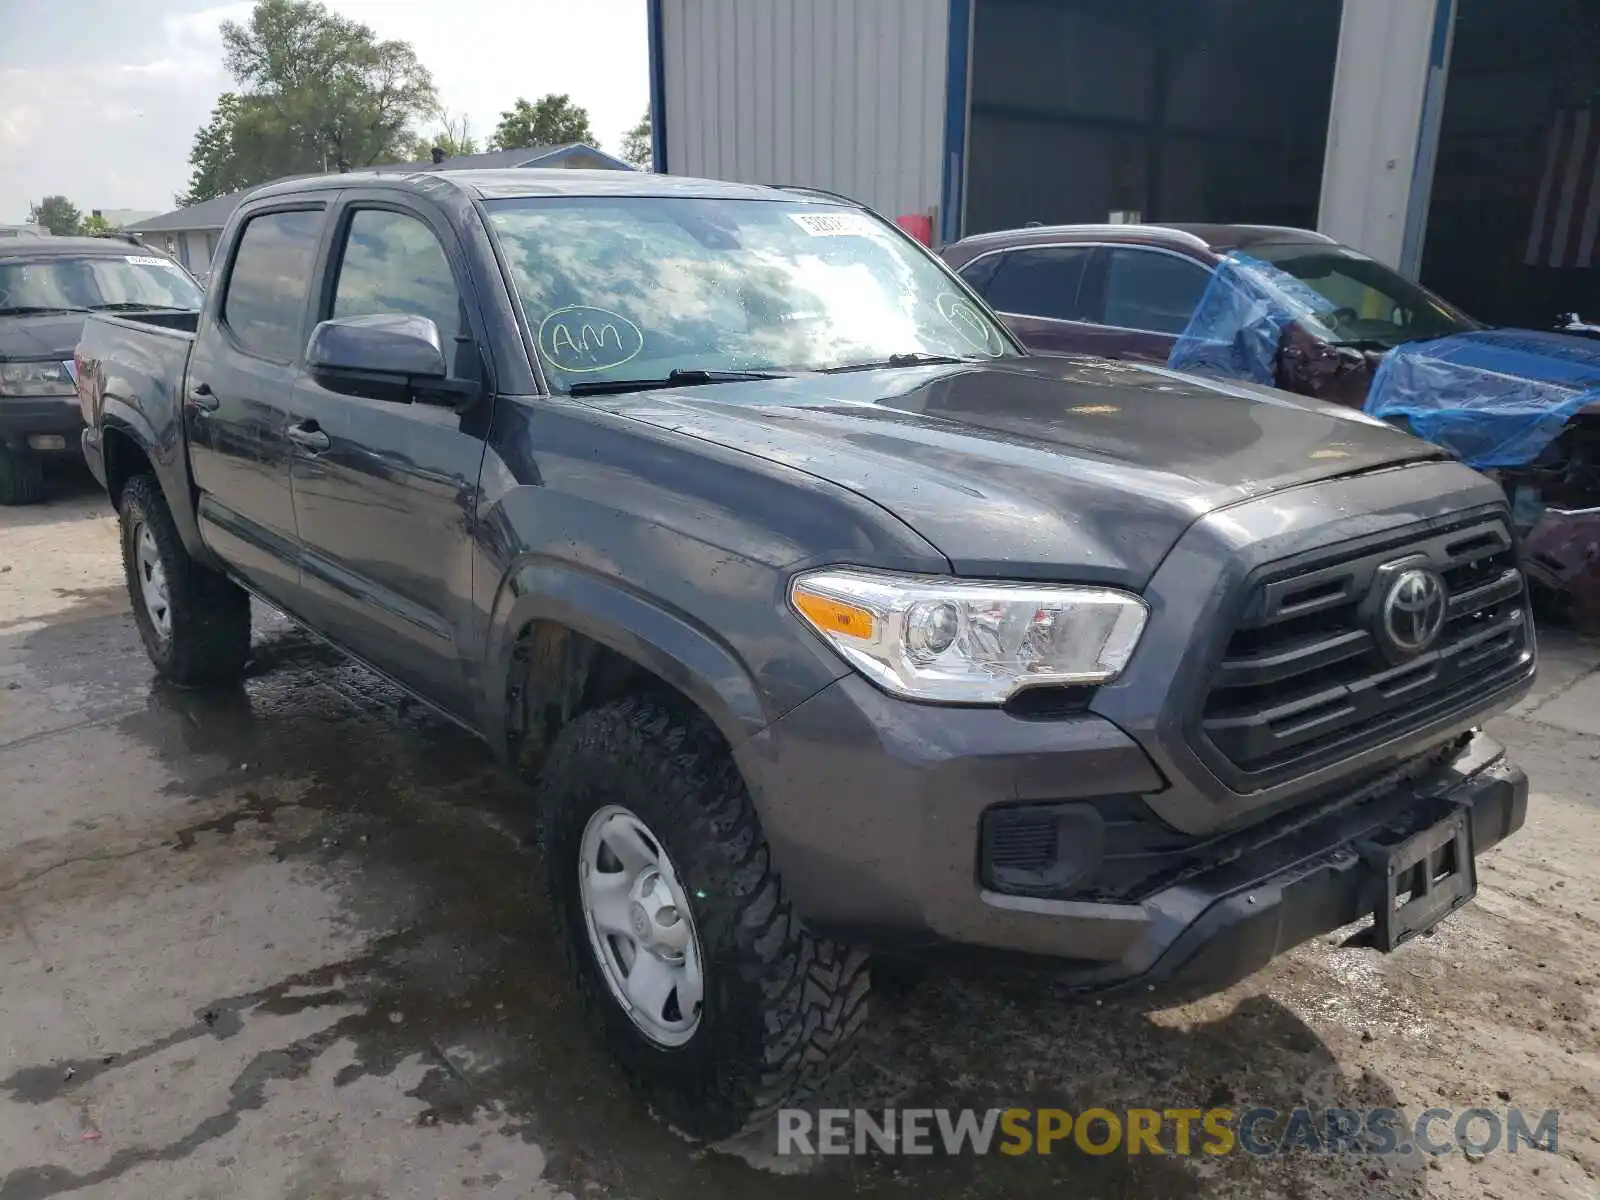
(128, 281)
(635, 288)
(1366, 301)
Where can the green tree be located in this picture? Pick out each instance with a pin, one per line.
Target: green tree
(94, 223)
(316, 92)
(227, 155)
(452, 136)
(57, 214)
(636, 145)
(550, 121)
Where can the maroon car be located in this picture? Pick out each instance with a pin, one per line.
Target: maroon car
(1128, 291)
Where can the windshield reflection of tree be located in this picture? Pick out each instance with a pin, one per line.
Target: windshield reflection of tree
(755, 296)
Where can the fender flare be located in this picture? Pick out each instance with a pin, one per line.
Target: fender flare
(170, 464)
(675, 647)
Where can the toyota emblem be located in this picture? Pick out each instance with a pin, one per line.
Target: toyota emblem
(1413, 610)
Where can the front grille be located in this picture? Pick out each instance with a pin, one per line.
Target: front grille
(1307, 678)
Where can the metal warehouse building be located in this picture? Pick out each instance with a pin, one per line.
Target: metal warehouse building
(1455, 138)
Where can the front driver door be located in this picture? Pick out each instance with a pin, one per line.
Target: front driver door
(383, 489)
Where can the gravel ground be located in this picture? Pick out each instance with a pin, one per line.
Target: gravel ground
(279, 942)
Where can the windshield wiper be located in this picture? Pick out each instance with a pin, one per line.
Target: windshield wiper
(34, 310)
(690, 377)
(897, 360)
(138, 306)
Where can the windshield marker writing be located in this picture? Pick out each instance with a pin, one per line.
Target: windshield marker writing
(582, 338)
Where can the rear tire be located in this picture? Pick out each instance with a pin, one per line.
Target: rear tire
(195, 623)
(780, 1005)
(21, 478)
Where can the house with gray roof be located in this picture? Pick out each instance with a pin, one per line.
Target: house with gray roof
(190, 234)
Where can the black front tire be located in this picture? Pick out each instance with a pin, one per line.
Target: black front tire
(782, 1005)
(21, 478)
(209, 638)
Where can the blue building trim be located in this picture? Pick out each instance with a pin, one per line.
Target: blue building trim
(957, 83)
(658, 90)
(1427, 155)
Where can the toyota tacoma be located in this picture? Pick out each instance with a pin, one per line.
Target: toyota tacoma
(825, 621)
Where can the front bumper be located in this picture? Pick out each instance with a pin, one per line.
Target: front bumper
(873, 808)
(1250, 911)
(876, 808)
(27, 417)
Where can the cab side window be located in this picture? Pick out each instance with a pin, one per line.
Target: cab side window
(393, 263)
(265, 304)
(1152, 291)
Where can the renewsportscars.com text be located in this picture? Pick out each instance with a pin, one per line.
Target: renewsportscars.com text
(1261, 1132)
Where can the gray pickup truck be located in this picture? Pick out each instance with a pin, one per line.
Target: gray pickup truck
(825, 621)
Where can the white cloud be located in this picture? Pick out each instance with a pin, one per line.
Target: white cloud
(102, 106)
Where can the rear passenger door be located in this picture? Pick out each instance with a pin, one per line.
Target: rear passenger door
(1147, 297)
(1038, 291)
(242, 372)
(384, 488)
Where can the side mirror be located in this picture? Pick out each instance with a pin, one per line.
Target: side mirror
(385, 348)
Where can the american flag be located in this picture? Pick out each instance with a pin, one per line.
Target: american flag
(1565, 231)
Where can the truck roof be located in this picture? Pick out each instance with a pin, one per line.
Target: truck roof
(509, 183)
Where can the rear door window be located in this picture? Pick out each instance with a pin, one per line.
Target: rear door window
(1040, 281)
(265, 303)
(1152, 291)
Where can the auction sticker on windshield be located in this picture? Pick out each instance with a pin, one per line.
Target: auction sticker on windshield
(147, 260)
(834, 224)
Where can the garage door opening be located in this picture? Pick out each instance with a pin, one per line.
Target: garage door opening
(1164, 110)
(1513, 230)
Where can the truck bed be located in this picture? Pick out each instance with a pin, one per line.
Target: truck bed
(131, 369)
(182, 323)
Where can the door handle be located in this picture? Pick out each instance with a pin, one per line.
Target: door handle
(308, 436)
(202, 397)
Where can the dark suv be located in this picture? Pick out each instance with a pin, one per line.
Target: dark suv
(1129, 291)
(47, 285)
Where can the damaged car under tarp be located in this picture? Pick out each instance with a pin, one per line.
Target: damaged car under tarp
(1520, 405)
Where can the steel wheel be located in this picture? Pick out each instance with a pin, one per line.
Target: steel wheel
(640, 926)
(152, 581)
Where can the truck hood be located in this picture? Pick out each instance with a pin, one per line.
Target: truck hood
(46, 335)
(1037, 467)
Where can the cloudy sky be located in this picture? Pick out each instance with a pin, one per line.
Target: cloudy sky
(100, 99)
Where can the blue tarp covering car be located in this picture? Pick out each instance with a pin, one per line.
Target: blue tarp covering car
(1504, 401)
(1497, 397)
(1494, 397)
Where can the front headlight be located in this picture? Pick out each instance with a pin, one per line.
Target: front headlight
(935, 638)
(35, 379)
